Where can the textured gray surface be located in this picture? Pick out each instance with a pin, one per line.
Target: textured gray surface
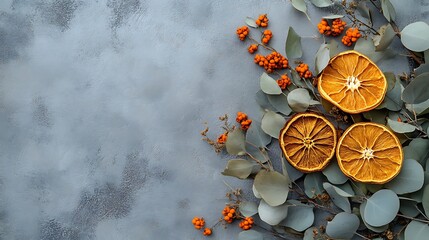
(101, 104)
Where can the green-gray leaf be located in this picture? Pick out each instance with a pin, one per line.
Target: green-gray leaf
(300, 6)
(279, 102)
(425, 199)
(251, 22)
(415, 36)
(313, 184)
(248, 209)
(299, 99)
(299, 216)
(250, 235)
(364, 10)
(416, 231)
(239, 168)
(333, 48)
(257, 136)
(343, 226)
(417, 149)
(272, 215)
(235, 143)
(262, 100)
(272, 123)
(385, 38)
(269, 85)
(308, 234)
(381, 208)
(334, 173)
(322, 57)
(293, 44)
(392, 100)
(422, 69)
(340, 191)
(409, 208)
(417, 90)
(409, 179)
(335, 16)
(372, 228)
(391, 80)
(337, 199)
(388, 10)
(322, 3)
(293, 173)
(272, 186)
(400, 127)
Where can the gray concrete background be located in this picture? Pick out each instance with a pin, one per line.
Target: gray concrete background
(102, 102)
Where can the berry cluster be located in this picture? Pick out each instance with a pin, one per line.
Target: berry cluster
(207, 232)
(246, 223)
(262, 20)
(252, 48)
(222, 138)
(284, 81)
(267, 36)
(242, 32)
(352, 35)
(303, 71)
(229, 214)
(272, 61)
(243, 120)
(198, 222)
(336, 28)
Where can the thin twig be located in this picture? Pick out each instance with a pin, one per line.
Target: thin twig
(416, 219)
(362, 236)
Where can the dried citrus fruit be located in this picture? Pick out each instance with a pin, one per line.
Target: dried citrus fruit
(352, 82)
(369, 152)
(308, 141)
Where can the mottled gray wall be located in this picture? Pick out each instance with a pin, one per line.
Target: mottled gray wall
(101, 104)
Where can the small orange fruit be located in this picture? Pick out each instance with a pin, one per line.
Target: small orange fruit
(352, 82)
(370, 153)
(308, 141)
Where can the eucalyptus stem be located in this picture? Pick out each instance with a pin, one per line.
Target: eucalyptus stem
(362, 236)
(416, 219)
(263, 45)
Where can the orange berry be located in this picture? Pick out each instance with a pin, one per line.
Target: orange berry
(222, 138)
(207, 232)
(246, 223)
(241, 116)
(303, 71)
(262, 20)
(252, 48)
(284, 82)
(242, 32)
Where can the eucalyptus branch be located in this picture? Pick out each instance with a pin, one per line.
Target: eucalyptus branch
(362, 236)
(263, 45)
(416, 219)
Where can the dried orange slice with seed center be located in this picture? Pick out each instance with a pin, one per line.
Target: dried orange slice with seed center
(308, 141)
(369, 152)
(352, 82)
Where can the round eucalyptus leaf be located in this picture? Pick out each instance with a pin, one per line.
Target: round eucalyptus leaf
(250, 235)
(343, 226)
(423, 68)
(299, 216)
(272, 186)
(409, 179)
(322, 3)
(400, 127)
(373, 188)
(392, 100)
(262, 100)
(293, 173)
(272, 215)
(386, 37)
(239, 168)
(381, 208)
(235, 143)
(293, 44)
(251, 22)
(279, 102)
(391, 80)
(337, 199)
(409, 208)
(372, 228)
(415, 36)
(348, 193)
(416, 230)
(334, 173)
(416, 90)
(255, 192)
(308, 234)
(272, 123)
(257, 153)
(418, 108)
(257, 136)
(248, 209)
(269, 85)
(313, 184)
(425, 199)
(417, 149)
(299, 99)
(333, 48)
(322, 57)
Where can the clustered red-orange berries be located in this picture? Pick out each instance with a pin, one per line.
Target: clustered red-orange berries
(246, 223)
(352, 35)
(252, 48)
(284, 81)
(303, 71)
(272, 61)
(267, 36)
(242, 32)
(262, 20)
(334, 30)
(229, 214)
(198, 222)
(243, 120)
(207, 232)
(222, 138)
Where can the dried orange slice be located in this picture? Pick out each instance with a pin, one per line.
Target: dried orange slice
(369, 152)
(308, 141)
(352, 82)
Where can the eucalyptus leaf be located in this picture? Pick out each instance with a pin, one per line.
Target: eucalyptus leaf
(342, 226)
(416, 230)
(272, 186)
(409, 179)
(385, 38)
(425, 199)
(272, 215)
(388, 10)
(272, 123)
(322, 3)
(339, 191)
(334, 16)
(417, 91)
(334, 173)
(415, 36)
(293, 44)
(308, 234)
(391, 80)
(417, 149)
(400, 127)
(250, 235)
(333, 48)
(257, 136)
(372, 228)
(392, 101)
(262, 100)
(377, 116)
(300, 6)
(235, 143)
(255, 192)
(279, 102)
(248, 209)
(251, 22)
(293, 173)
(381, 208)
(258, 153)
(299, 216)
(337, 199)
(299, 99)
(366, 47)
(409, 208)
(239, 168)
(269, 85)
(419, 108)
(322, 57)
(364, 10)
(296, 79)
(313, 184)
(423, 68)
